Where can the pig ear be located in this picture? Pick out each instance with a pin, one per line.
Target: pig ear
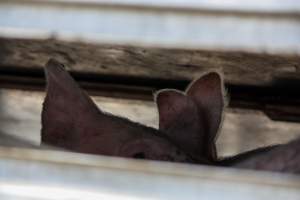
(171, 104)
(65, 107)
(208, 93)
(179, 119)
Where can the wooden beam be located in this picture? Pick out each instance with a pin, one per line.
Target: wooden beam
(280, 101)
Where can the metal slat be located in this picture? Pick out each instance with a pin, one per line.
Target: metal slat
(33, 174)
(266, 6)
(272, 27)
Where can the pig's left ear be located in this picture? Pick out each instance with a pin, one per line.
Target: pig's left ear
(67, 110)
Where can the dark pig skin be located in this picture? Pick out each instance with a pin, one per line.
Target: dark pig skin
(282, 158)
(192, 120)
(71, 120)
(189, 124)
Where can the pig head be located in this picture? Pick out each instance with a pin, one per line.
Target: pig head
(71, 120)
(192, 118)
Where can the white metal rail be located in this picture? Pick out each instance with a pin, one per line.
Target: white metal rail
(33, 174)
(271, 26)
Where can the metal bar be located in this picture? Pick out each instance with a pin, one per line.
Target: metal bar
(269, 6)
(280, 101)
(271, 27)
(33, 174)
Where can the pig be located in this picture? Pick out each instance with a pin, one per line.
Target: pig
(192, 120)
(279, 158)
(72, 121)
(189, 123)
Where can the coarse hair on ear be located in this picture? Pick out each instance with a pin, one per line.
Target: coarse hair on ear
(192, 118)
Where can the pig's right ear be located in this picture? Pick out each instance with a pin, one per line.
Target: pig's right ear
(67, 110)
(179, 119)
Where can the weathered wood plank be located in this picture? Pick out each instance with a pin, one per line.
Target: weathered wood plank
(238, 67)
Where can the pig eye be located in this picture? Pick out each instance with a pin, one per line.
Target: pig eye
(139, 155)
(168, 158)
